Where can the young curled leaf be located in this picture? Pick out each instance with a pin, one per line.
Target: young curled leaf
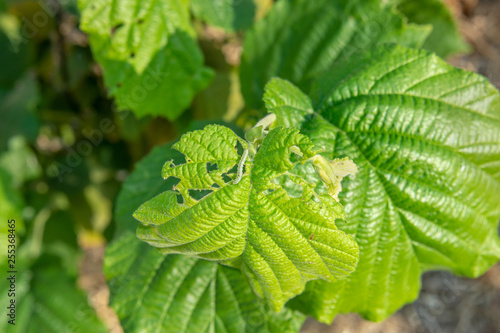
(279, 242)
(332, 172)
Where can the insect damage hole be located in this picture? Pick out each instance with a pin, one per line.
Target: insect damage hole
(199, 194)
(212, 167)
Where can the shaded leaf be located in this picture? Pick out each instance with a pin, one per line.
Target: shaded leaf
(150, 59)
(445, 39)
(20, 161)
(16, 50)
(47, 300)
(231, 15)
(11, 206)
(300, 39)
(17, 110)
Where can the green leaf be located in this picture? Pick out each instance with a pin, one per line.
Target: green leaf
(143, 184)
(150, 59)
(287, 102)
(47, 300)
(20, 161)
(279, 242)
(17, 110)
(444, 39)
(152, 292)
(130, 264)
(300, 39)
(426, 139)
(231, 15)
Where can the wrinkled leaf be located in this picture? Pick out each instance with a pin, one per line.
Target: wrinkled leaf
(426, 139)
(279, 242)
(152, 292)
(287, 102)
(129, 262)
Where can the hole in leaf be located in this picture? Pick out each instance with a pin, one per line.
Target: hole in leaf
(293, 189)
(211, 167)
(230, 175)
(294, 158)
(180, 199)
(268, 191)
(199, 194)
(132, 55)
(215, 185)
(239, 148)
(226, 178)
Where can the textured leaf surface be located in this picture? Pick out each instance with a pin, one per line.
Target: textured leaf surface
(230, 15)
(150, 59)
(140, 278)
(152, 292)
(287, 102)
(300, 39)
(444, 39)
(426, 139)
(279, 242)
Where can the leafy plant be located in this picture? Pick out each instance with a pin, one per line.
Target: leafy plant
(150, 59)
(279, 242)
(373, 160)
(222, 299)
(381, 109)
(394, 111)
(426, 191)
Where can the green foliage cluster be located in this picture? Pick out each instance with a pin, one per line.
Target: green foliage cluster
(373, 162)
